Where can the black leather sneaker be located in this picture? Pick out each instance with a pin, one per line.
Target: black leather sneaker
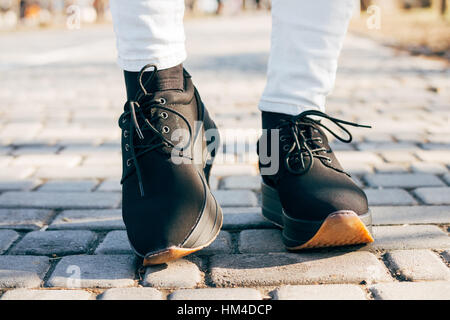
(310, 196)
(167, 206)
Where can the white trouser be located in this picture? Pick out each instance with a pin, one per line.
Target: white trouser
(307, 37)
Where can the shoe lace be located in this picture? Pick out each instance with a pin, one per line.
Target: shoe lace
(137, 119)
(300, 144)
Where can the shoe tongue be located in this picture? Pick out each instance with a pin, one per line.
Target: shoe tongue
(168, 79)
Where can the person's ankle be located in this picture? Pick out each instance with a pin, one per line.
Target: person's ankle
(270, 120)
(165, 79)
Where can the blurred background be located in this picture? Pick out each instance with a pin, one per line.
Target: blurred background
(421, 26)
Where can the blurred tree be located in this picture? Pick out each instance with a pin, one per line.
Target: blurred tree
(100, 8)
(440, 6)
(365, 4)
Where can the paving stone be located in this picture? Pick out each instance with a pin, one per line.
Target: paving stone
(54, 242)
(398, 156)
(27, 294)
(233, 198)
(95, 271)
(446, 178)
(412, 180)
(16, 173)
(446, 256)
(320, 292)
(382, 146)
(221, 170)
(439, 156)
(408, 237)
(244, 217)
(4, 161)
(428, 167)
(291, 268)
(260, 241)
(22, 271)
(89, 219)
(413, 137)
(180, 273)
(416, 265)
(241, 182)
(216, 294)
(435, 146)
(5, 150)
(357, 168)
(69, 186)
(18, 185)
(213, 183)
(379, 197)
(24, 219)
(63, 200)
(131, 294)
(364, 157)
(110, 185)
(429, 290)
(358, 182)
(411, 215)
(115, 242)
(434, 195)
(391, 168)
(7, 237)
(222, 244)
(110, 159)
(35, 150)
(77, 173)
(47, 160)
(336, 145)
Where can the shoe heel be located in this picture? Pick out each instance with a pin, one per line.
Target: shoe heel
(340, 228)
(298, 232)
(271, 205)
(211, 146)
(208, 226)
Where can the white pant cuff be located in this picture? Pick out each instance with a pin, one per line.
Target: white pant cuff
(286, 108)
(166, 62)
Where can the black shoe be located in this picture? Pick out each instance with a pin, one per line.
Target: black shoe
(310, 196)
(167, 206)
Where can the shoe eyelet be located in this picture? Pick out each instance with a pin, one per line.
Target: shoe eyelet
(319, 140)
(125, 134)
(166, 129)
(124, 120)
(286, 147)
(129, 162)
(329, 160)
(162, 101)
(316, 130)
(283, 138)
(127, 147)
(164, 115)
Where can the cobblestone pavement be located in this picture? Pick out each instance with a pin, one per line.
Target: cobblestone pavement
(60, 222)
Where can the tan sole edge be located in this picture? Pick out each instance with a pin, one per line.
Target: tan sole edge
(339, 229)
(174, 253)
(168, 255)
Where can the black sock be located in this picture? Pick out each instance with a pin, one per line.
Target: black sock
(271, 119)
(167, 79)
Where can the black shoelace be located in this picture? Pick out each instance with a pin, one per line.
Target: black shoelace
(137, 119)
(300, 144)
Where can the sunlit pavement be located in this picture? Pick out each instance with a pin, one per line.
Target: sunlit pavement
(60, 98)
